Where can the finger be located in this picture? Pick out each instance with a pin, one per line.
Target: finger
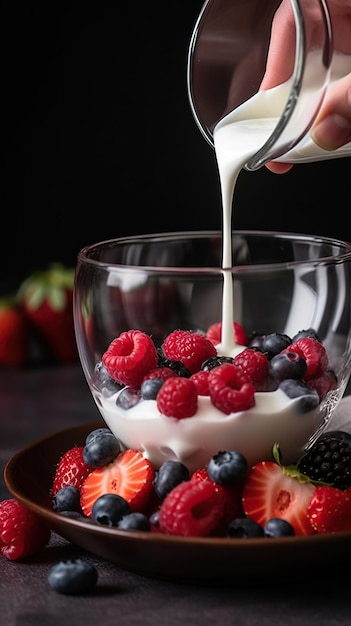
(332, 127)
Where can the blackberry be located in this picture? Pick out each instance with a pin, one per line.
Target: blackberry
(176, 366)
(215, 361)
(329, 460)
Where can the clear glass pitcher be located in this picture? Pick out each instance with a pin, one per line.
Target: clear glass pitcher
(227, 61)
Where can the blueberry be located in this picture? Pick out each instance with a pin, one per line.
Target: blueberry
(128, 397)
(97, 431)
(256, 341)
(170, 474)
(227, 468)
(73, 577)
(107, 385)
(109, 508)
(244, 528)
(310, 332)
(66, 499)
(277, 527)
(308, 397)
(287, 365)
(155, 518)
(150, 388)
(275, 343)
(100, 448)
(134, 521)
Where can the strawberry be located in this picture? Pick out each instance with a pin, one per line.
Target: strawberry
(47, 300)
(22, 532)
(129, 475)
(71, 470)
(13, 334)
(330, 509)
(272, 490)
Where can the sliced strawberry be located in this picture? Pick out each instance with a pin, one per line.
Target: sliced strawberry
(71, 470)
(269, 491)
(129, 475)
(22, 532)
(330, 510)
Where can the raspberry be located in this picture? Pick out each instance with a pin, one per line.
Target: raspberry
(191, 349)
(214, 334)
(201, 381)
(129, 357)
(314, 354)
(192, 508)
(160, 372)
(231, 500)
(22, 532)
(231, 390)
(324, 383)
(177, 398)
(253, 363)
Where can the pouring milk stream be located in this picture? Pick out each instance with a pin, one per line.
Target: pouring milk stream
(237, 137)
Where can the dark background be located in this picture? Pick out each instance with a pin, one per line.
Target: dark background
(100, 141)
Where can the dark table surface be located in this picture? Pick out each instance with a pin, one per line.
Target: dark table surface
(37, 402)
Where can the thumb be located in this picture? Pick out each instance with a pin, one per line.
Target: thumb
(332, 127)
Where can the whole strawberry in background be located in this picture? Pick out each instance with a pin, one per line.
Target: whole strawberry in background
(13, 334)
(46, 298)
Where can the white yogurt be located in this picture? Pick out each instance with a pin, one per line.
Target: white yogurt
(274, 418)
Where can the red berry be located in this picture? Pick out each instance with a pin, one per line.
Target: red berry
(177, 398)
(200, 379)
(230, 389)
(314, 354)
(253, 363)
(214, 334)
(231, 500)
(330, 510)
(323, 383)
(71, 470)
(129, 357)
(192, 508)
(191, 349)
(160, 372)
(269, 491)
(22, 532)
(129, 475)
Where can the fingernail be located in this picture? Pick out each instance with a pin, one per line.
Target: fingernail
(332, 132)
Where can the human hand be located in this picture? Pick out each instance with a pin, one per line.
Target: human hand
(332, 126)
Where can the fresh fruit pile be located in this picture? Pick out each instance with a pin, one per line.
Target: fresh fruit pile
(187, 365)
(36, 323)
(103, 483)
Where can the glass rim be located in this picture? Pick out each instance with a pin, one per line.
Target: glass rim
(343, 256)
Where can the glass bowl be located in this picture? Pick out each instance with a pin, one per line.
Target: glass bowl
(280, 284)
